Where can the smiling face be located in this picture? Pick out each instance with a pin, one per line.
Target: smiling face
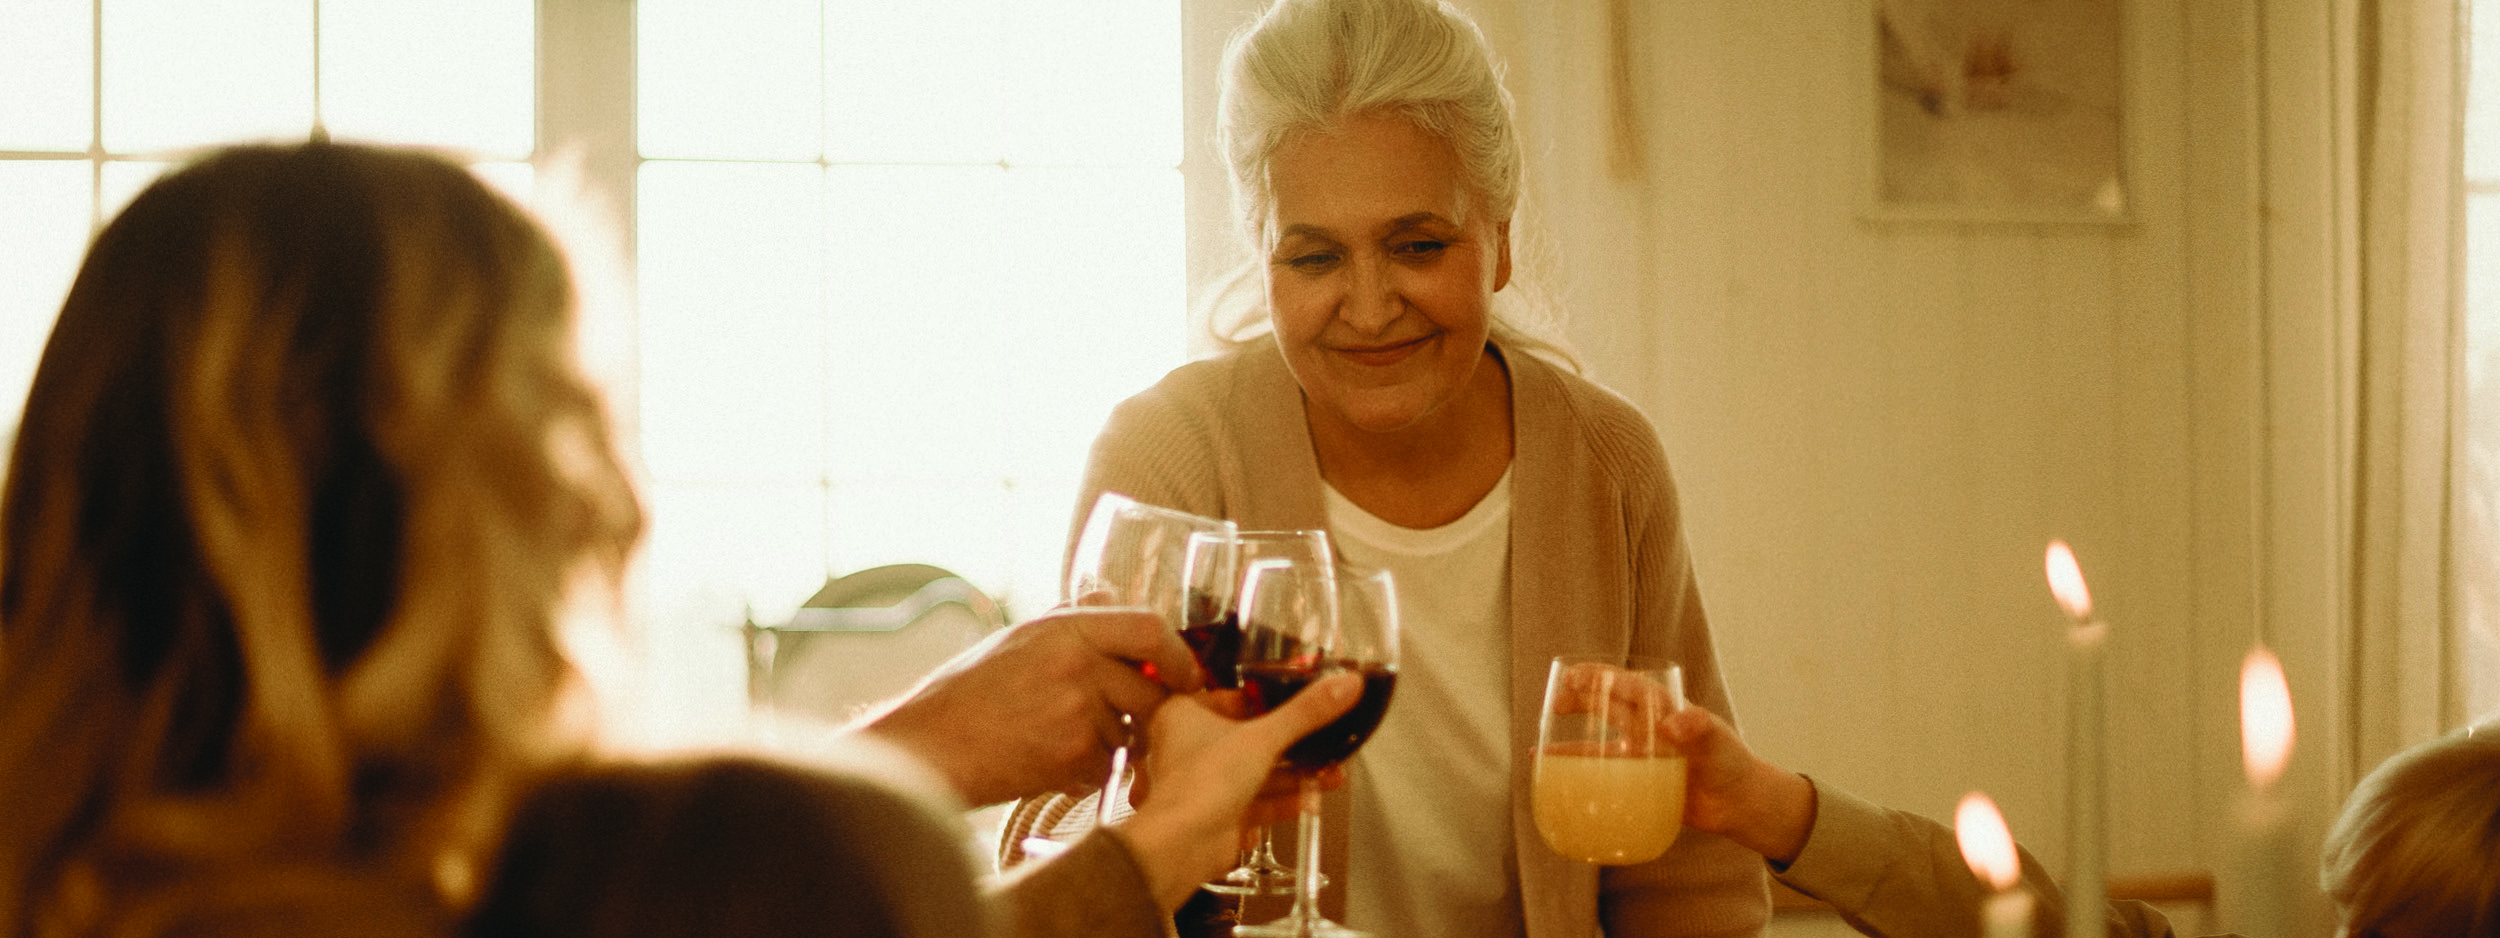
(1381, 269)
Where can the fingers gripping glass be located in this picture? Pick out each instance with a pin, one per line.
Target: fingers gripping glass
(1134, 555)
(1297, 628)
(1609, 785)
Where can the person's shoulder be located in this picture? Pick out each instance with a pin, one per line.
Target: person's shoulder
(1613, 428)
(1198, 394)
(671, 844)
(732, 786)
(1210, 379)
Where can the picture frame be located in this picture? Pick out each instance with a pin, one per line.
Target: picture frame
(1995, 111)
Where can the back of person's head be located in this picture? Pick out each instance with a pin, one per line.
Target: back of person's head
(1306, 65)
(728, 848)
(2416, 853)
(305, 470)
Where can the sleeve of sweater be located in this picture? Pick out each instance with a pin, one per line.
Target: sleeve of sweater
(1157, 447)
(1094, 890)
(1705, 884)
(1892, 873)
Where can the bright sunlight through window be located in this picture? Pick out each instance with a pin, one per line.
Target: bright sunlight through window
(895, 261)
(2478, 497)
(173, 75)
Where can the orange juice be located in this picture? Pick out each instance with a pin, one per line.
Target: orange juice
(1609, 809)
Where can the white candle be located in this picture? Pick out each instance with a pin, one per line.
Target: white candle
(2086, 837)
(1989, 849)
(2269, 865)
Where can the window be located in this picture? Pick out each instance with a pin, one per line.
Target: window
(895, 260)
(2478, 498)
(102, 94)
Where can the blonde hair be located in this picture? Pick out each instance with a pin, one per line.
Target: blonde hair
(1306, 65)
(2416, 852)
(305, 474)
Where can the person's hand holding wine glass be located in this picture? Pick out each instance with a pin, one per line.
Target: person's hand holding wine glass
(1132, 554)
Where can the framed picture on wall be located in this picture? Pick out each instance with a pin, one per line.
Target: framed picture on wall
(1996, 110)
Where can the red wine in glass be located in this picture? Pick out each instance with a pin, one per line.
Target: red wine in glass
(1213, 633)
(1267, 685)
(1299, 629)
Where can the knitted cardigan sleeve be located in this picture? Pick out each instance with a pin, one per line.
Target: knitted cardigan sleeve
(1893, 874)
(1159, 447)
(1704, 885)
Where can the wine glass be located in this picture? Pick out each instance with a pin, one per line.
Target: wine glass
(1298, 628)
(1135, 555)
(1609, 786)
(1214, 633)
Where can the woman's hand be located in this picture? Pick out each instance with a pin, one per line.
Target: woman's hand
(1728, 790)
(1037, 707)
(1208, 771)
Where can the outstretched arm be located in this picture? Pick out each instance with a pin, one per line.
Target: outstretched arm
(1037, 707)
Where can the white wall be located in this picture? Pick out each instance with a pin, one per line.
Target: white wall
(1877, 427)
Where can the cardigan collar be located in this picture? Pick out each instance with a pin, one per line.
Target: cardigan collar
(1283, 464)
(1283, 491)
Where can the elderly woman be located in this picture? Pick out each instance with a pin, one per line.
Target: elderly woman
(1390, 391)
(307, 475)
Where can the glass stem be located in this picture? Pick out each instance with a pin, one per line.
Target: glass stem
(1263, 857)
(1111, 789)
(1306, 873)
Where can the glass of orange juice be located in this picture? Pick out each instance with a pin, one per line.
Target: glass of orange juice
(1609, 786)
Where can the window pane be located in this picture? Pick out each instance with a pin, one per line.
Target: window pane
(1097, 82)
(733, 329)
(43, 234)
(914, 82)
(915, 304)
(47, 68)
(719, 550)
(2477, 647)
(921, 458)
(122, 181)
(2482, 99)
(180, 73)
(453, 73)
(984, 323)
(892, 517)
(1099, 280)
(515, 180)
(714, 85)
(715, 553)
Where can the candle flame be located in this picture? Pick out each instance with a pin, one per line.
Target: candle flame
(2066, 582)
(2265, 717)
(1986, 843)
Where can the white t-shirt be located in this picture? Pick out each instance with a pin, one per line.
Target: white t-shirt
(1431, 838)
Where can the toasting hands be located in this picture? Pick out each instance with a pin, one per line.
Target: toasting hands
(1215, 777)
(1037, 706)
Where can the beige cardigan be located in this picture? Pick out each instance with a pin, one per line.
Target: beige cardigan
(1598, 563)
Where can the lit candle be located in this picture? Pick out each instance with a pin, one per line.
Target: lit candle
(2084, 834)
(1989, 849)
(2269, 865)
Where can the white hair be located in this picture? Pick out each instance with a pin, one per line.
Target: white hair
(1306, 65)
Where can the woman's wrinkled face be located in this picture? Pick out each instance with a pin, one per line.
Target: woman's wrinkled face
(1382, 263)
